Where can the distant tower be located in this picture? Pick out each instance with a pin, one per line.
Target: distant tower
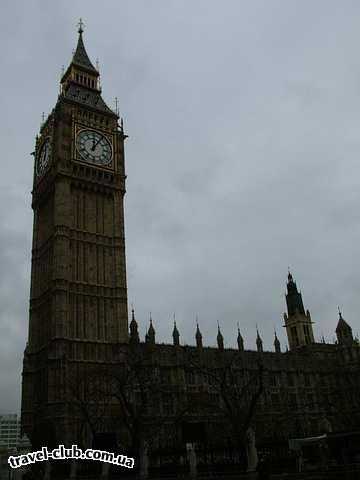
(134, 334)
(298, 323)
(150, 336)
(78, 296)
(344, 332)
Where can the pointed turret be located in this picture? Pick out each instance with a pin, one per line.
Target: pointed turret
(298, 323)
(240, 341)
(134, 334)
(220, 339)
(198, 336)
(344, 332)
(150, 336)
(176, 335)
(293, 298)
(277, 344)
(259, 342)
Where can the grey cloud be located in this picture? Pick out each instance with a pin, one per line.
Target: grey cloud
(242, 158)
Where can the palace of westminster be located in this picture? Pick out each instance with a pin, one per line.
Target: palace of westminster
(86, 372)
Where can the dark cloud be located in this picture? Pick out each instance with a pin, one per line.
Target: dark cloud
(242, 158)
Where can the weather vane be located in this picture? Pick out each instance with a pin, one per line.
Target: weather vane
(81, 25)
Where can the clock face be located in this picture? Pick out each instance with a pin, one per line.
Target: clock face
(94, 148)
(43, 157)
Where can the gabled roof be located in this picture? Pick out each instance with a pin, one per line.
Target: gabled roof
(87, 97)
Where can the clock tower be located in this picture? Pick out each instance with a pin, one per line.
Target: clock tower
(78, 298)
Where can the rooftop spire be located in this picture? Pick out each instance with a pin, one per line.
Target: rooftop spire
(150, 336)
(198, 335)
(344, 331)
(134, 334)
(220, 339)
(80, 57)
(240, 340)
(176, 334)
(259, 342)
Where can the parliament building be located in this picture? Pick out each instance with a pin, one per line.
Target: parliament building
(87, 376)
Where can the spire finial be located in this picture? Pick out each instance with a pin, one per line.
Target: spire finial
(340, 315)
(150, 319)
(116, 106)
(81, 25)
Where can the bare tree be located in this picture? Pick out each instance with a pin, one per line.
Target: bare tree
(238, 389)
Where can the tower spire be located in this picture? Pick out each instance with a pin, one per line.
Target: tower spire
(198, 335)
(298, 322)
(150, 336)
(176, 334)
(344, 331)
(134, 334)
(80, 57)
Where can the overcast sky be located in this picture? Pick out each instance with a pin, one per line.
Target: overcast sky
(242, 159)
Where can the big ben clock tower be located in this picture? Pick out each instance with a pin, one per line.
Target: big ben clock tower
(78, 298)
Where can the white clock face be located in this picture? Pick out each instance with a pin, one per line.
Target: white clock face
(94, 148)
(43, 157)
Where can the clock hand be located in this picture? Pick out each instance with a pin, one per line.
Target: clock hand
(95, 144)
